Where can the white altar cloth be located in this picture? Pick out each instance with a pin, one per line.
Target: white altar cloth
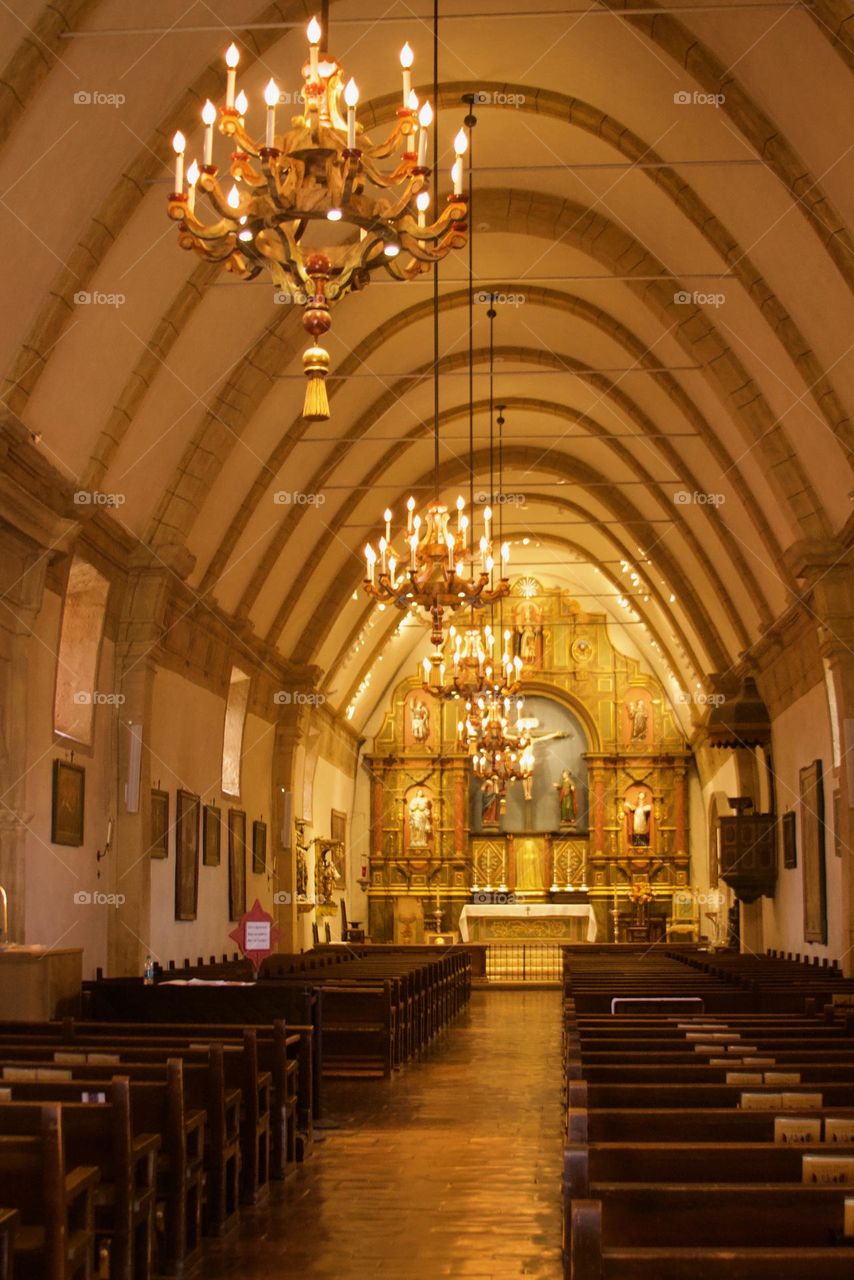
(526, 910)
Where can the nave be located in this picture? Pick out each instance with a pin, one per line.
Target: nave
(448, 1169)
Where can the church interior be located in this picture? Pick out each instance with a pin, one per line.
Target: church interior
(427, 715)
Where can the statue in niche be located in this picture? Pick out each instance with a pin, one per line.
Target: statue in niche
(638, 719)
(491, 797)
(528, 634)
(420, 820)
(567, 796)
(327, 875)
(419, 721)
(639, 823)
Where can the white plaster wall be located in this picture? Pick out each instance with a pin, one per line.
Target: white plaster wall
(186, 752)
(333, 789)
(55, 873)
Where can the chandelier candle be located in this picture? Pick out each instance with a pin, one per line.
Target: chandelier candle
(290, 186)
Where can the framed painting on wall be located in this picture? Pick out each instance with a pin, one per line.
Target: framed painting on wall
(338, 832)
(236, 863)
(813, 868)
(68, 803)
(259, 848)
(789, 825)
(211, 832)
(159, 844)
(186, 855)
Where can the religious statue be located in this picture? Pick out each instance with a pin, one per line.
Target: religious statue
(638, 719)
(302, 863)
(640, 820)
(419, 720)
(567, 797)
(420, 820)
(490, 798)
(327, 876)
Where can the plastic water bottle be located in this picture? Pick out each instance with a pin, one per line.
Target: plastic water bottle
(148, 972)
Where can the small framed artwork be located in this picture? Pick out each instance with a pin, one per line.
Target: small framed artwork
(159, 844)
(186, 855)
(259, 848)
(68, 801)
(211, 832)
(683, 908)
(236, 863)
(338, 832)
(790, 840)
(813, 868)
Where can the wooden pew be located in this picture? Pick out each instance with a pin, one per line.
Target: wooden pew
(125, 1195)
(10, 1221)
(55, 1238)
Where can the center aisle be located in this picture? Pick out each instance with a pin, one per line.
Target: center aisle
(452, 1168)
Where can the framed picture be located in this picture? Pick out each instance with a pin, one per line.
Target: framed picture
(186, 855)
(259, 848)
(338, 832)
(236, 863)
(211, 831)
(683, 908)
(789, 824)
(68, 799)
(159, 844)
(813, 868)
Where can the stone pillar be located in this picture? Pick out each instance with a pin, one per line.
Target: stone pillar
(288, 738)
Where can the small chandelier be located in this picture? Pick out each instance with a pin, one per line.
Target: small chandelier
(470, 669)
(321, 170)
(443, 571)
(500, 751)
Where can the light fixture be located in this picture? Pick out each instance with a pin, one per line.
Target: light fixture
(468, 667)
(500, 750)
(321, 169)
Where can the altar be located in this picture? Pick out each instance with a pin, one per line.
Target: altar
(527, 922)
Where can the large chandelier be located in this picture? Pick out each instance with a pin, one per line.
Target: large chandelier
(500, 750)
(443, 570)
(468, 668)
(323, 169)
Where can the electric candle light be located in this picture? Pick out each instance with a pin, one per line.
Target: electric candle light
(461, 502)
(233, 198)
(314, 34)
(457, 176)
(192, 179)
(412, 102)
(241, 106)
(179, 142)
(232, 57)
(407, 57)
(483, 547)
(383, 553)
(449, 543)
(209, 119)
(271, 97)
(410, 507)
(351, 97)
(371, 559)
(425, 119)
(422, 203)
(387, 518)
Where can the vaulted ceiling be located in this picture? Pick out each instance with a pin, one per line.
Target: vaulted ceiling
(662, 203)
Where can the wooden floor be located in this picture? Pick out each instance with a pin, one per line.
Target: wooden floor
(452, 1168)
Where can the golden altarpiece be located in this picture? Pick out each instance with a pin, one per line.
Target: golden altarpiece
(607, 821)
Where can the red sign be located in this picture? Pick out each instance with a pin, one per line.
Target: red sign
(256, 935)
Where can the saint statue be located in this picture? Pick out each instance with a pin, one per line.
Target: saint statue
(302, 864)
(420, 820)
(640, 812)
(567, 796)
(490, 799)
(327, 875)
(419, 720)
(638, 719)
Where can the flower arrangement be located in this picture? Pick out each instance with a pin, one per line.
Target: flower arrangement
(641, 893)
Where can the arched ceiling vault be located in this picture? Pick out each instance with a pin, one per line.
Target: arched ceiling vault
(620, 395)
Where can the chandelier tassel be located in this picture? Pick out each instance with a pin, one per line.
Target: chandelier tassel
(315, 362)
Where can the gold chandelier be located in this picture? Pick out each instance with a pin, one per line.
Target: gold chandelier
(499, 750)
(443, 571)
(467, 667)
(323, 169)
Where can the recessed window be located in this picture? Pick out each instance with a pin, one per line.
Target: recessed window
(79, 650)
(232, 740)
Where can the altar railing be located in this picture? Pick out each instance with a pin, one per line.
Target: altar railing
(524, 962)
